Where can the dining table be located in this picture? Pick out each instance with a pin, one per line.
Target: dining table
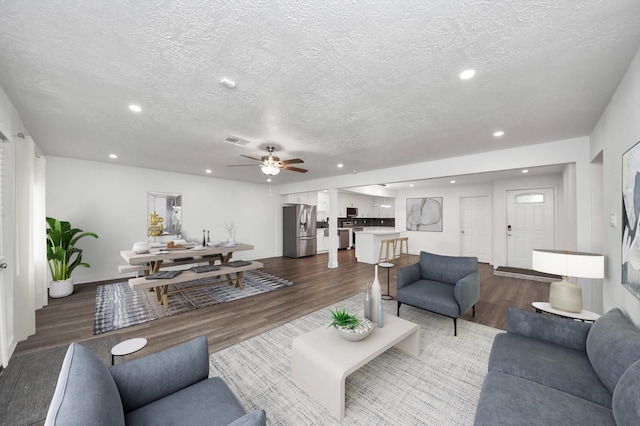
(158, 257)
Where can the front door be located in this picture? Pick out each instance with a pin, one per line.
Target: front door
(475, 227)
(530, 224)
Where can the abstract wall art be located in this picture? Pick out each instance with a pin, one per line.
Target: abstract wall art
(630, 213)
(424, 214)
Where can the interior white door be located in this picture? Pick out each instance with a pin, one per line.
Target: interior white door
(475, 227)
(530, 224)
(6, 215)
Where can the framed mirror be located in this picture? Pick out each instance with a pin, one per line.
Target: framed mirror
(164, 214)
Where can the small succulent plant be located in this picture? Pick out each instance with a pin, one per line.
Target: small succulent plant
(342, 318)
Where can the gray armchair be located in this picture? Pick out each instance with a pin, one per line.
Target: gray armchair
(446, 285)
(166, 388)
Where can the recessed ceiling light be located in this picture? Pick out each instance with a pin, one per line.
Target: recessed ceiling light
(340, 165)
(228, 82)
(135, 108)
(498, 133)
(411, 185)
(114, 156)
(208, 171)
(354, 171)
(467, 74)
(453, 181)
(525, 171)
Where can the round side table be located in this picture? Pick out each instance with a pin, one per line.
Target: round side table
(581, 316)
(127, 347)
(387, 265)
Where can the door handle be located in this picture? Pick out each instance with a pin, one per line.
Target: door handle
(3, 265)
(462, 232)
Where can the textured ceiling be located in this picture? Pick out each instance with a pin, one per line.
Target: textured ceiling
(370, 84)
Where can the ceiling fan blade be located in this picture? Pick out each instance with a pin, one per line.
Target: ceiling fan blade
(243, 165)
(251, 158)
(294, 169)
(292, 161)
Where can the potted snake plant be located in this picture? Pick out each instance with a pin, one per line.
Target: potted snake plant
(63, 255)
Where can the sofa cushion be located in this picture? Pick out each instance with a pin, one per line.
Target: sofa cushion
(208, 402)
(447, 269)
(254, 418)
(613, 344)
(572, 334)
(439, 298)
(510, 400)
(85, 393)
(548, 364)
(626, 397)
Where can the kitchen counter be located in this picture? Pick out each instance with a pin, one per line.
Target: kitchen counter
(368, 243)
(377, 232)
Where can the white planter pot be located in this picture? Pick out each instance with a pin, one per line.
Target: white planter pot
(60, 288)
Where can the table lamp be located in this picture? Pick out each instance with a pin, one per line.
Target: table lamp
(564, 295)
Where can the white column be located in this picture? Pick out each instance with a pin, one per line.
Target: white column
(333, 228)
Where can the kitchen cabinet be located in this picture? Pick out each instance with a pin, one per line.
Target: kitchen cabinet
(323, 206)
(310, 198)
(322, 238)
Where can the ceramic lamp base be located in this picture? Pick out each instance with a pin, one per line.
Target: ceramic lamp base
(565, 296)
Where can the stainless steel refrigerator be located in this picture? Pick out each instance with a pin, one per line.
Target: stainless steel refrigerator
(299, 230)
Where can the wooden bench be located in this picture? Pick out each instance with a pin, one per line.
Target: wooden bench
(161, 286)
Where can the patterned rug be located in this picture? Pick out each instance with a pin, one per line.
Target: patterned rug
(118, 306)
(440, 387)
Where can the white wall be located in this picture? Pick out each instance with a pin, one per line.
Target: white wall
(617, 130)
(448, 241)
(111, 200)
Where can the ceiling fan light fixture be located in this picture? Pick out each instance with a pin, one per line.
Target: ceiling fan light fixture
(270, 169)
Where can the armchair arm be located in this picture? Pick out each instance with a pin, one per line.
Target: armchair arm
(467, 291)
(408, 274)
(152, 377)
(560, 331)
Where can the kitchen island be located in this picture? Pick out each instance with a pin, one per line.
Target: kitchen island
(368, 243)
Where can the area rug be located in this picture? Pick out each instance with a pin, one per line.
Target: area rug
(440, 387)
(28, 382)
(118, 306)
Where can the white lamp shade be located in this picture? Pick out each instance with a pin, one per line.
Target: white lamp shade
(568, 263)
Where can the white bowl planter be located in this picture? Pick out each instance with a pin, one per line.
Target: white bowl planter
(359, 332)
(60, 288)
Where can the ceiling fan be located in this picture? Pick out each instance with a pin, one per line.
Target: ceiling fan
(271, 165)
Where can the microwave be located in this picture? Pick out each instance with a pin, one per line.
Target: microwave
(352, 212)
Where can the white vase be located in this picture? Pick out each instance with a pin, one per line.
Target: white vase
(61, 288)
(375, 298)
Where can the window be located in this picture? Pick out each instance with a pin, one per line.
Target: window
(529, 198)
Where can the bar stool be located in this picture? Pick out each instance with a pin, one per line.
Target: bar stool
(387, 246)
(403, 248)
(388, 266)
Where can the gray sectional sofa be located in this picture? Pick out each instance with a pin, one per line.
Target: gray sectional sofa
(166, 388)
(552, 371)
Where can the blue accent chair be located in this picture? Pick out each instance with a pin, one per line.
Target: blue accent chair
(446, 285)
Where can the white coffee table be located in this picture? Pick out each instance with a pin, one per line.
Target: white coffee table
(582, 315)
(127, 347)
(321, 360)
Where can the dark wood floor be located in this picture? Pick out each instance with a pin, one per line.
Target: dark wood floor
(71, 319)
